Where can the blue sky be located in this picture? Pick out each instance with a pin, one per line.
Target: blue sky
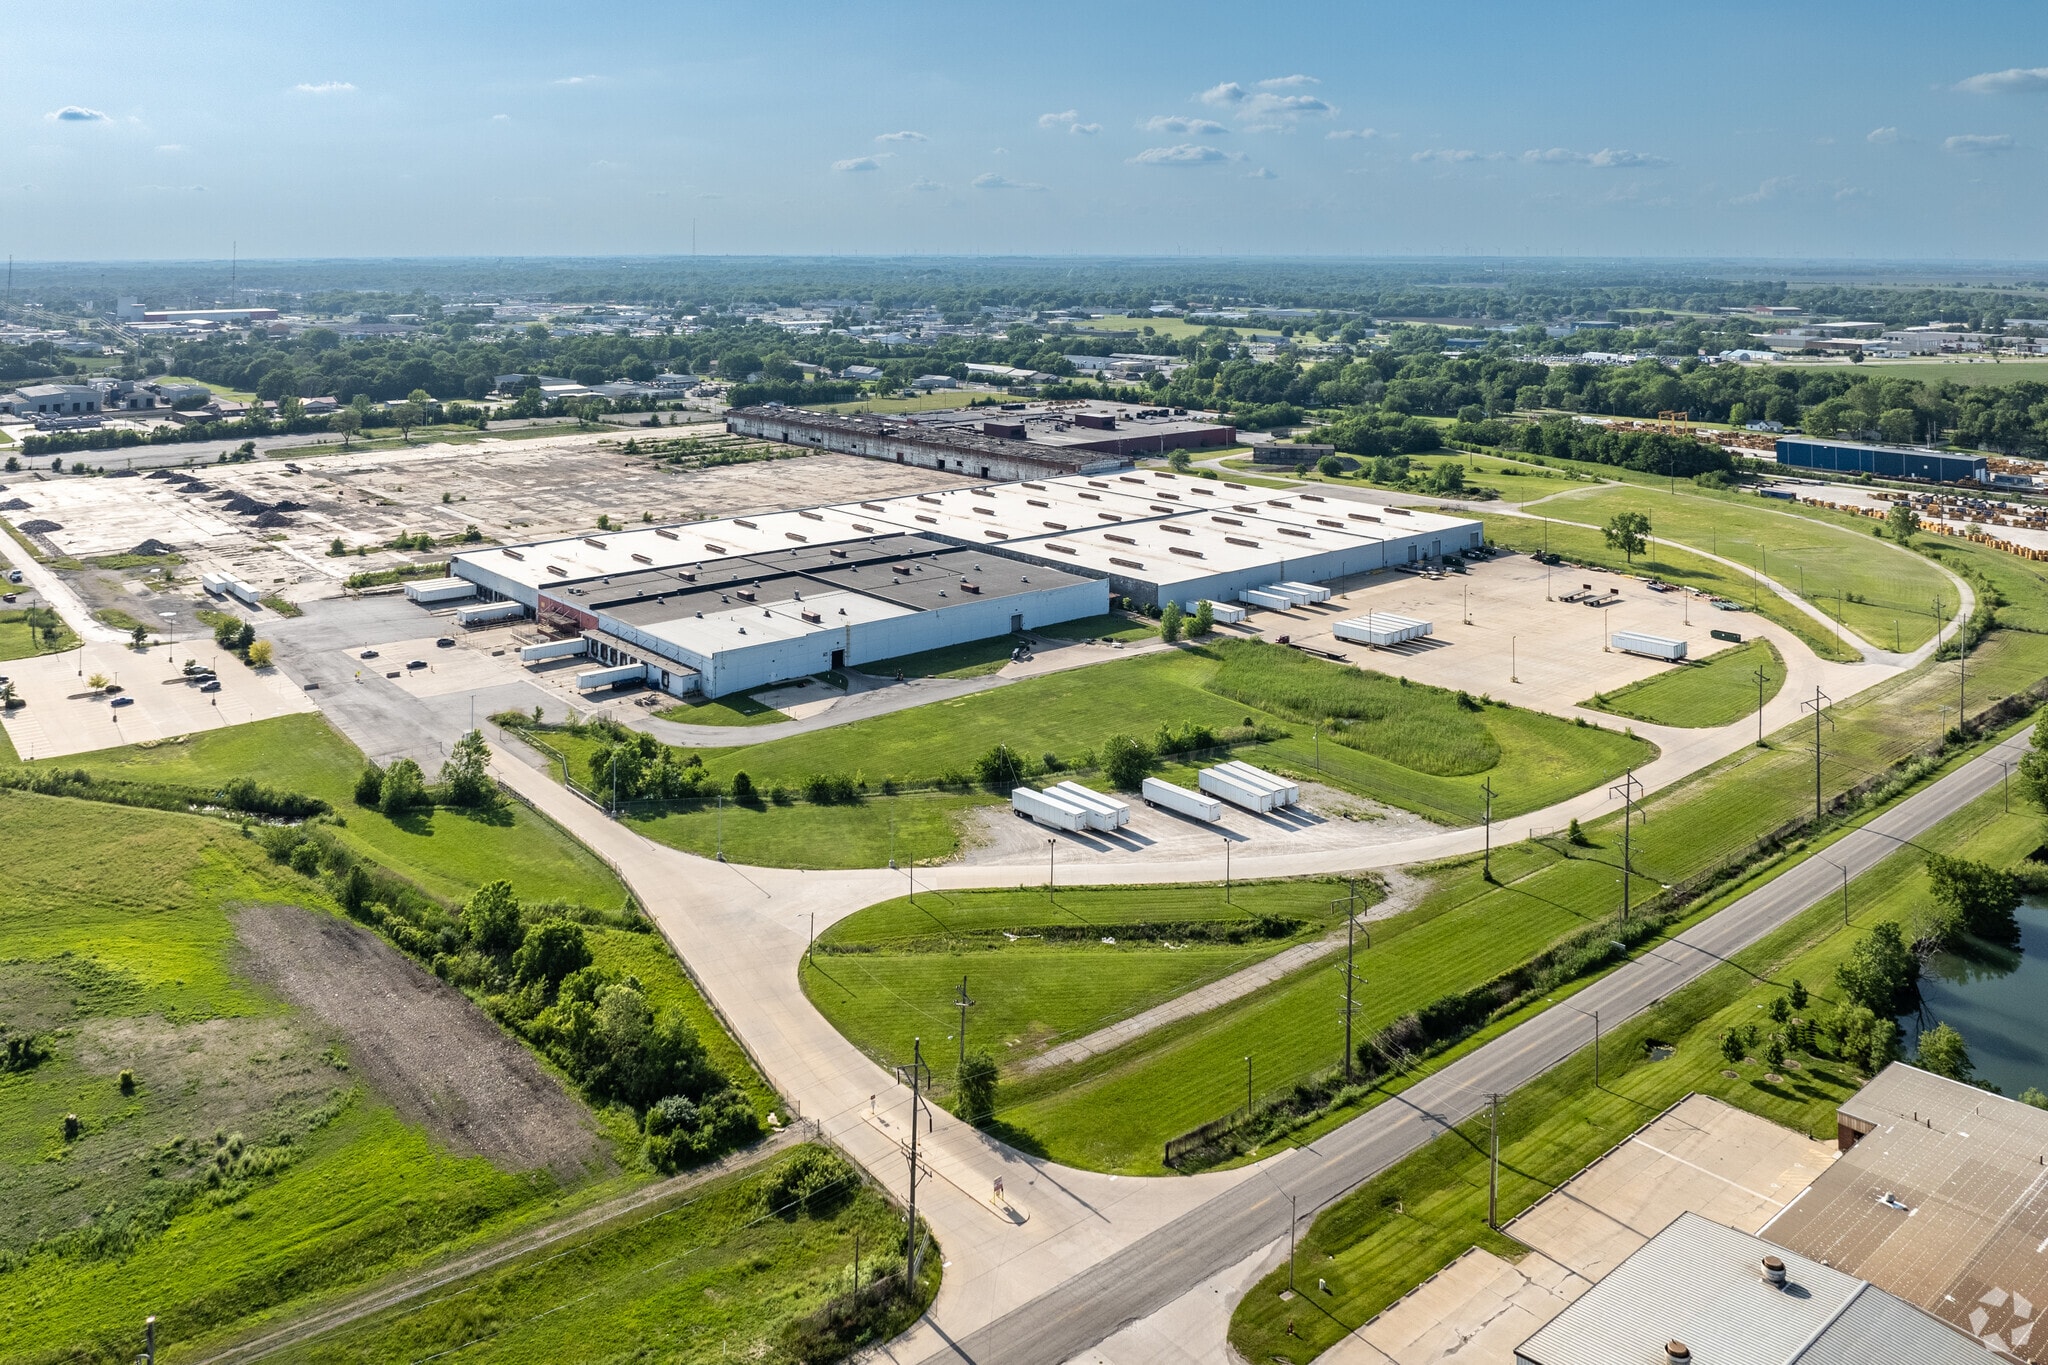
(370, 129)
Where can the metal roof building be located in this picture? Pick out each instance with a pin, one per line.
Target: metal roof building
(1698, 1291)
(1940, 1198)
(1885, 462)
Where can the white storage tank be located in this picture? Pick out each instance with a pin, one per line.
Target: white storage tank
(1047, 809)
(1237, 791)
(1159, 792)
(1288, 792)
(1116, 813)
(439, 590)
(1381, 628)
(1654, 646)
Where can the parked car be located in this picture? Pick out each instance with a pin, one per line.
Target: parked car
(445, 642)
(122, 701)
(417, 663)
(210, 685)
(369, 654)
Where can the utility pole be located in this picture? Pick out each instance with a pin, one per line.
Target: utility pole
(1493, 1170)
(1626, 790)
(1226, 869)
(1486, 858)
(1293, 1222)
(721, 828)
(1820, 699)
(1050, 845)
(1350, 978)
(808, 947)
(148, 1323)
(964, 1003)
(1247, 1086)
(916, 1099)
(1760, 679)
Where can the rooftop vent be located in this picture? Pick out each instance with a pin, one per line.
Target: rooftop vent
(791, 535)
(1063, 549)
(593, 540)
(815, 618)
(1238, 486)
(1312, 497)
(1126, 563)
(814, 516)
(513, 554)
(1774, 1272)
(1677, 1353)
(1361, 516)
(1240, 540)
(642, 559)
(874, 506)
(858, 527)
(926, 497)
(742, 521)
(1183, 550)
(665, 535)
(1036, 502)
(1293, 531)
(715, 549)
(1121, 540)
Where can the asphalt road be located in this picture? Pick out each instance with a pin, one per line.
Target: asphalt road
(1153, 1271)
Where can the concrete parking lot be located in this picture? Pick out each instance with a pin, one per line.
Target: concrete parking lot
(1702, 1156)
(63, 715)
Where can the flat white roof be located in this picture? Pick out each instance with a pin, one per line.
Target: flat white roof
(740, 626)
(996, 513)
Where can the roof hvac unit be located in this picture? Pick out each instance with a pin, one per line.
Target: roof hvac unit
(1117, 813)
(1179, 800)
(1047, 810)
(1654, 646)
(1381, 628)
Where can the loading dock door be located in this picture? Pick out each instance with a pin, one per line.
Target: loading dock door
(1016, 623)
(838, 658)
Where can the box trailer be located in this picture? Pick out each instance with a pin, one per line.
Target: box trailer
(1288, 792)
(1047, 810)
(214, 583)
(1237, 791)
(439, 590)
(610, 677)
(1267, 598)
(1222, 613)
(1179, 800)
(1308, 592)
(483, 613)
(246, 591)
(553, 649)
(1381, 628)
(1117, 812)
(1653, 646)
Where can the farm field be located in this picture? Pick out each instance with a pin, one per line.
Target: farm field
(716, 1275)
(1887, 594)
(1672, 565)
(1399, 1228)
(1416, 747)
(1707, 692)
(450, 852)
(119, 948)
(1043, 971)
(1114, 1111)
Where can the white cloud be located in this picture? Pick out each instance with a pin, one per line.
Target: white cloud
(1979, 144)
(576, 80)
(1605, 157)
(75, 113)
(1177, 123)
(858, 163)
(1881, 136)
(1228, 93)
(907, 135)
(924, 186)
(325, 88)
(1288, 82)
(1264, 109)
(1448, 154)
(989, 180)
(171, 189)
(1351, 134)
(171, 148)
(1261, 174)
(1181, 154)
(1069, 119)
(1768, 190)
(2018, 80)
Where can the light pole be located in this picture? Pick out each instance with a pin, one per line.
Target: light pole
(172, 617)
(1594, 1015)
(1845, 885)
(1226, 869)
(1626, 790)
(1050, 845)
(1247, 1086)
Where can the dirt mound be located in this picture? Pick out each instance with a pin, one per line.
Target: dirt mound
(165, 474)
(40, 526)
(153, 546)
(245, 505)
(273, 518)
(287, 505)
(438, 1059)
(13, 505)
(193, 486)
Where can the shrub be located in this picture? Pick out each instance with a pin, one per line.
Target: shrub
(370, 786)
(681, 1133)
(811, 1181)
(743, 788)
(403, 788)
(491, 918)
(1171, 618)
(830, 789)
(1799, 996)
(261, 654)
(550, 951)
(1125, 761)
(1944, 1052)
(1000, 769)
(1882, 974)
(978, 1087)
(1205, 619)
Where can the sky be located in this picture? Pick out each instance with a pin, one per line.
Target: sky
(1906, 131)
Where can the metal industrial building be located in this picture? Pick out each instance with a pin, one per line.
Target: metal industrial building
(1884, 462)
(1004, 557)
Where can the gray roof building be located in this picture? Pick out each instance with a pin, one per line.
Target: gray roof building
(1701, 1292)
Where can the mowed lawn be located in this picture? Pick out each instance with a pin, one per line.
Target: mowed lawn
(714, 1275)
(450, 852)
(17, 641)
(1886, 593)
(1041, 970)
(1404, 1225)
(1716, 690)
(114, 925)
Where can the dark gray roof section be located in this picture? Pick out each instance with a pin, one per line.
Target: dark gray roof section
(1703, 1284)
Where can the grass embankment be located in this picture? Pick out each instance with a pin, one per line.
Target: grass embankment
(1671, 565)
(18, 641)
(1703, 693)
(737, 709)
(977, 658)
(1422, 748)
(717, 1275)
(1875, 589)
(1402, 1226)
(1115, 1111)
(115, 939)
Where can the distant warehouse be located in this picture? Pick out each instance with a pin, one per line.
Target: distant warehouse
(1885, 462)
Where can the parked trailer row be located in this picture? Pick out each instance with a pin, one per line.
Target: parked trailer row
(1105, 812)
(1047, 809)
(1654, 646)
(1382, 628)
(1307, 592)
(1288, 792)
(483, 613)
(1267, 598)
(1222, 613)
(1253, 797)
(1179, 800)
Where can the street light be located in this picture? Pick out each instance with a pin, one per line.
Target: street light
(1845, 884)
(1594, 1015)
(1226, 869)
(1050, 845)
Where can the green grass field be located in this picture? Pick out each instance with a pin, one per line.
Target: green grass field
(1537, 759)
(1706, 692)
(938, 400)
(1402, 1226)
(739, 708)
(920, 825)
(975, 659)
(450, 852)
(1529, 535)
(1114, 626)
(712, 1276)
(17, 641)
(1887, 594)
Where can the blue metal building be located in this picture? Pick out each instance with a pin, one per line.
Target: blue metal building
(1885, 462)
